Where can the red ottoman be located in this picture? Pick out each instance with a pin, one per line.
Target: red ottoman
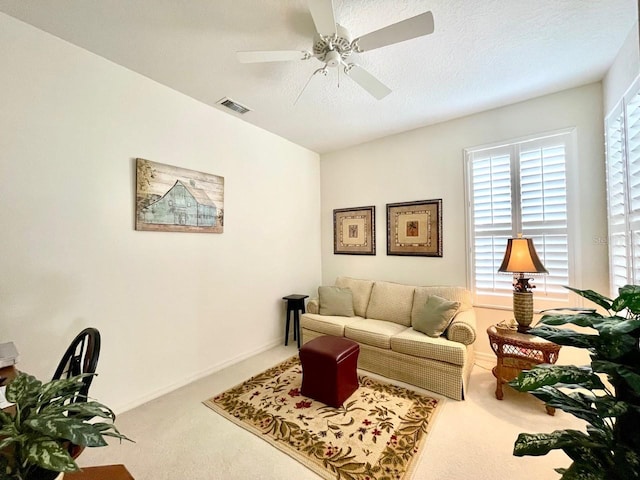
(329, 366)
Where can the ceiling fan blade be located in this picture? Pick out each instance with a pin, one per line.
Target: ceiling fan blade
(258, 56)
(323, 16)
(398, 32)
(367, 81)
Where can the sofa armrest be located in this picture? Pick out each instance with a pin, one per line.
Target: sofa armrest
(463, 327)
(313, 305)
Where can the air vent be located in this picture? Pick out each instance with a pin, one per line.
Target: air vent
(235, 106)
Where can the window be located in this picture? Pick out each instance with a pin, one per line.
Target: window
(622, 129)
(519, 187)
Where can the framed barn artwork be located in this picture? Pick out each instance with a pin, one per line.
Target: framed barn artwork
(354, 231)
(174, 199)
(415, 228)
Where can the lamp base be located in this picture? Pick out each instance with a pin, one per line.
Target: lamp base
(523, 309)
(523, 328)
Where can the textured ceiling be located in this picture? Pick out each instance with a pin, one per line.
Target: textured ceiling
(483, 54)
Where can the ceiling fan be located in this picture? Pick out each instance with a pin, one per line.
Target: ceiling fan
(333, 45)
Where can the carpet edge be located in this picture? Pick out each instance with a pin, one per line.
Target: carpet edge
(290, 453)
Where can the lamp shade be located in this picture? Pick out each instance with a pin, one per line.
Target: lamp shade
(521, 257)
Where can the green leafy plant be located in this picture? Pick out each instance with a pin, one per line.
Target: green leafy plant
(605, 394)
(37, 434)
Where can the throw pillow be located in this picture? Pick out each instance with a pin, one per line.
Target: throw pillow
(335, 301)
(436, 315)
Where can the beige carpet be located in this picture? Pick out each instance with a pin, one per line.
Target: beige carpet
(177, 437)
(377, 434)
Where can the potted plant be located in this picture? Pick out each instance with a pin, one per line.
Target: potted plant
(37, 434)
(606, 394)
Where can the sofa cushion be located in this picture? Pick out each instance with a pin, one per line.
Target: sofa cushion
(457, 294)
(418, 344)
(376, 333)
(391, 302)
(435, 316)
(327, 324)
(335, 301)
(361, 291)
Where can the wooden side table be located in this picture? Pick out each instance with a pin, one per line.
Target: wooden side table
(8, 374)
(516, 352)
(106, 472)
(295, 304)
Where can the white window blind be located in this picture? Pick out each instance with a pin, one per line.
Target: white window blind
(516, 188)
(622, 132)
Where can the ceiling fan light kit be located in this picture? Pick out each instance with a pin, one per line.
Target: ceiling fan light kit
(332, 46)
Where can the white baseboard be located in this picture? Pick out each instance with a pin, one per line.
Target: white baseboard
(193, 377)
(486, 360)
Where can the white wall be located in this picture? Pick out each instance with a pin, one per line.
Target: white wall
(623, 71)
(170, 306)
(427, 163)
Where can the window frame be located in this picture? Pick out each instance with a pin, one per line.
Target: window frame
(503, 300)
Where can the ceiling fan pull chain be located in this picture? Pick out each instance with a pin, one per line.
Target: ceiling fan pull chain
(322, 70)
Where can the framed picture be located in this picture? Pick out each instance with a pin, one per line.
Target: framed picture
(354, 231)
(174, 199)
(415, 228)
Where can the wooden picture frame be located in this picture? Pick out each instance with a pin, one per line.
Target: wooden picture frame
(174, 199)
(415, 228)
(354, 231)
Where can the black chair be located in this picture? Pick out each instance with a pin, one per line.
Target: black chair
(81, 357)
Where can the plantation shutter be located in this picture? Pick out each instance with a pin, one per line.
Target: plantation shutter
(632, 122)
(518, 188)
(622, 131)
(543, 180)
(492, 217)
(619, 266)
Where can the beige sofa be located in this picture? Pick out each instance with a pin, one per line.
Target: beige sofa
(389, 346)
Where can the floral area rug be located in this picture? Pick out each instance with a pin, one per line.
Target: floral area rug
(377, 434)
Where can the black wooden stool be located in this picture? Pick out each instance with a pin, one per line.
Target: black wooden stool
(295, 304)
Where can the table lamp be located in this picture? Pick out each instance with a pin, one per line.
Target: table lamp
(521, 259)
